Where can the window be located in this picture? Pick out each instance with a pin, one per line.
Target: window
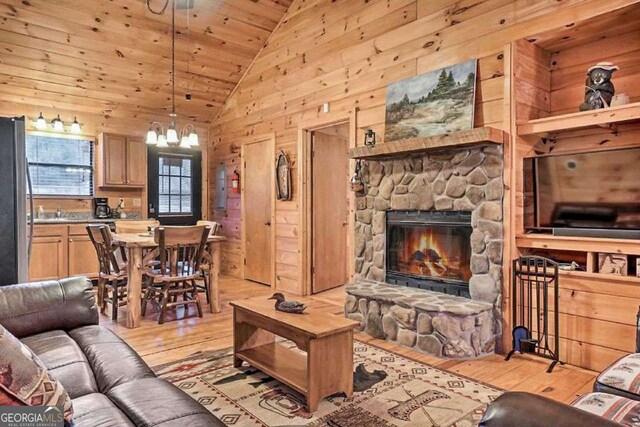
(174, 185)
(60, 166)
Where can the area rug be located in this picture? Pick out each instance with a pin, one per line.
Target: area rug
(389, 390)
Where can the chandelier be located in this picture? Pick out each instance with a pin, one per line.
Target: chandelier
(156, 133)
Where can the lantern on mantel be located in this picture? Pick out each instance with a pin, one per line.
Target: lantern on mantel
(369, 138)
(357, 185)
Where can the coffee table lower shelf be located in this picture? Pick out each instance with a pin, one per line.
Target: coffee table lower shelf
(280, 362)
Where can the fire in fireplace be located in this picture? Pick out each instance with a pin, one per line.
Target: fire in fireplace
(429, 250)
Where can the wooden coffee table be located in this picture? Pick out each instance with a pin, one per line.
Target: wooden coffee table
(327, 339)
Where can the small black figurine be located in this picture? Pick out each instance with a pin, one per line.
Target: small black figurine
(599, 90)
(294, 307)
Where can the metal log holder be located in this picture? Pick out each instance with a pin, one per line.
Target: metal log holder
(532, 278)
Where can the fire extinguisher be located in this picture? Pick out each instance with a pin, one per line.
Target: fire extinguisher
(235, 182)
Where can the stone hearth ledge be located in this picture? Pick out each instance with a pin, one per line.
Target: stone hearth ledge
(429, 322)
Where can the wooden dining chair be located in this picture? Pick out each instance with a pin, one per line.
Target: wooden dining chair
(176, 267)
(206, 259)
(112, 277)
(141, 226)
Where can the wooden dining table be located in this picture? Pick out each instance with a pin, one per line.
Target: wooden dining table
(135, 244)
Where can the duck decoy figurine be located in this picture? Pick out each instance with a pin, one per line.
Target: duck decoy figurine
(294, 307)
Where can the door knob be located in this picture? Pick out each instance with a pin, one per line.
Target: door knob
(268, 223)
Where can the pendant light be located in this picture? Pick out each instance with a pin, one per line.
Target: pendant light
(171, 137)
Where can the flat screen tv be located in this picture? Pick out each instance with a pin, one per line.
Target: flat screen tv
(585, 191)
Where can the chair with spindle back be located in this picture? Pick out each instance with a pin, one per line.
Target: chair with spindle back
(141, 226)
(206, 260)
(178, 265)
(112, 276)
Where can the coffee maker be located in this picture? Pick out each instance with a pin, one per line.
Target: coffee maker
(101, 207)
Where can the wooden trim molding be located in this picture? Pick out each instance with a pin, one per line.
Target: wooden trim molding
(304, 180)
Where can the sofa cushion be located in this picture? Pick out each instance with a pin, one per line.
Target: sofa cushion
(24, 379)
(156, 402)
(31, 308)
(96, 410)
(113, 362)
(64, 360)
(622, 377)
(615, 408)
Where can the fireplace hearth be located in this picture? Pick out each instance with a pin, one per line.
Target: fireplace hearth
(429, 250)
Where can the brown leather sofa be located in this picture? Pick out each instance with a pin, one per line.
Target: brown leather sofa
(519, 409)
(109, 384)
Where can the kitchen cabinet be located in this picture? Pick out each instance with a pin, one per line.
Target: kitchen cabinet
(121, 161)
(82, 257)
(61, 251)
(48, 253)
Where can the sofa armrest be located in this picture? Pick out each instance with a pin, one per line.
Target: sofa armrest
(31, 308)
(529, 410)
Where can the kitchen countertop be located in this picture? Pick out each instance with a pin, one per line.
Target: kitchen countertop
(80, 220)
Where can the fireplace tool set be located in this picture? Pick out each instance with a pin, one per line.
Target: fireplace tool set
(532, 278)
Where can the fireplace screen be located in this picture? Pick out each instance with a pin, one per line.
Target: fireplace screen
(429, 245)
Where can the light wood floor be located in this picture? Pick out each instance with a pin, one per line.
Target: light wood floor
(177, 339)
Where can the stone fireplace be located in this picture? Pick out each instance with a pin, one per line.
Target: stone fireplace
(428, 246)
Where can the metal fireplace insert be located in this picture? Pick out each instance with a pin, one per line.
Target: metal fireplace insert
(429, 250)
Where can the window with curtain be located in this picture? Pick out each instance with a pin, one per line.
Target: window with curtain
(60, 166)
(174, 185)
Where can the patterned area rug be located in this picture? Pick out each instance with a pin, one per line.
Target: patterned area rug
(389, 390)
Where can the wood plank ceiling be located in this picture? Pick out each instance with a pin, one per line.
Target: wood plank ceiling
(109, 61)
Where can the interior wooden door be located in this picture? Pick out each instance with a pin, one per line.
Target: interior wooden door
(329, 209)
(257, 200)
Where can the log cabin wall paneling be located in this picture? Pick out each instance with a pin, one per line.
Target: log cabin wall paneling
(107, 62)
(346, 52)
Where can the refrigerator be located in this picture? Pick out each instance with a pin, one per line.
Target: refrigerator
(14, 203)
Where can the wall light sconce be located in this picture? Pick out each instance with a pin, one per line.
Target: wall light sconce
(369, 138)
(41, 123)
(75, 126)
(57, 124)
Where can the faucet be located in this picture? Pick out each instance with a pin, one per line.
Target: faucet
(58, 212)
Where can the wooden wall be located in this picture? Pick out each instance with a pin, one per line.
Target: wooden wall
(346, 52)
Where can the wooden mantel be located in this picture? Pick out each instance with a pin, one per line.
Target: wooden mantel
(459, 139)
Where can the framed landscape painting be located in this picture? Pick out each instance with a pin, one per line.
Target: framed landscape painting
(433, 103)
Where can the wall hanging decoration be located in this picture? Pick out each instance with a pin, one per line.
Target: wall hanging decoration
(283, 177)
(369, 138)
(433, 103)
(357, 185)
(599, 89)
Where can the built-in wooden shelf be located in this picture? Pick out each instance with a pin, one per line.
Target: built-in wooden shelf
(463, 138)
(578, 244)
(280, 362)
(606, 117)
